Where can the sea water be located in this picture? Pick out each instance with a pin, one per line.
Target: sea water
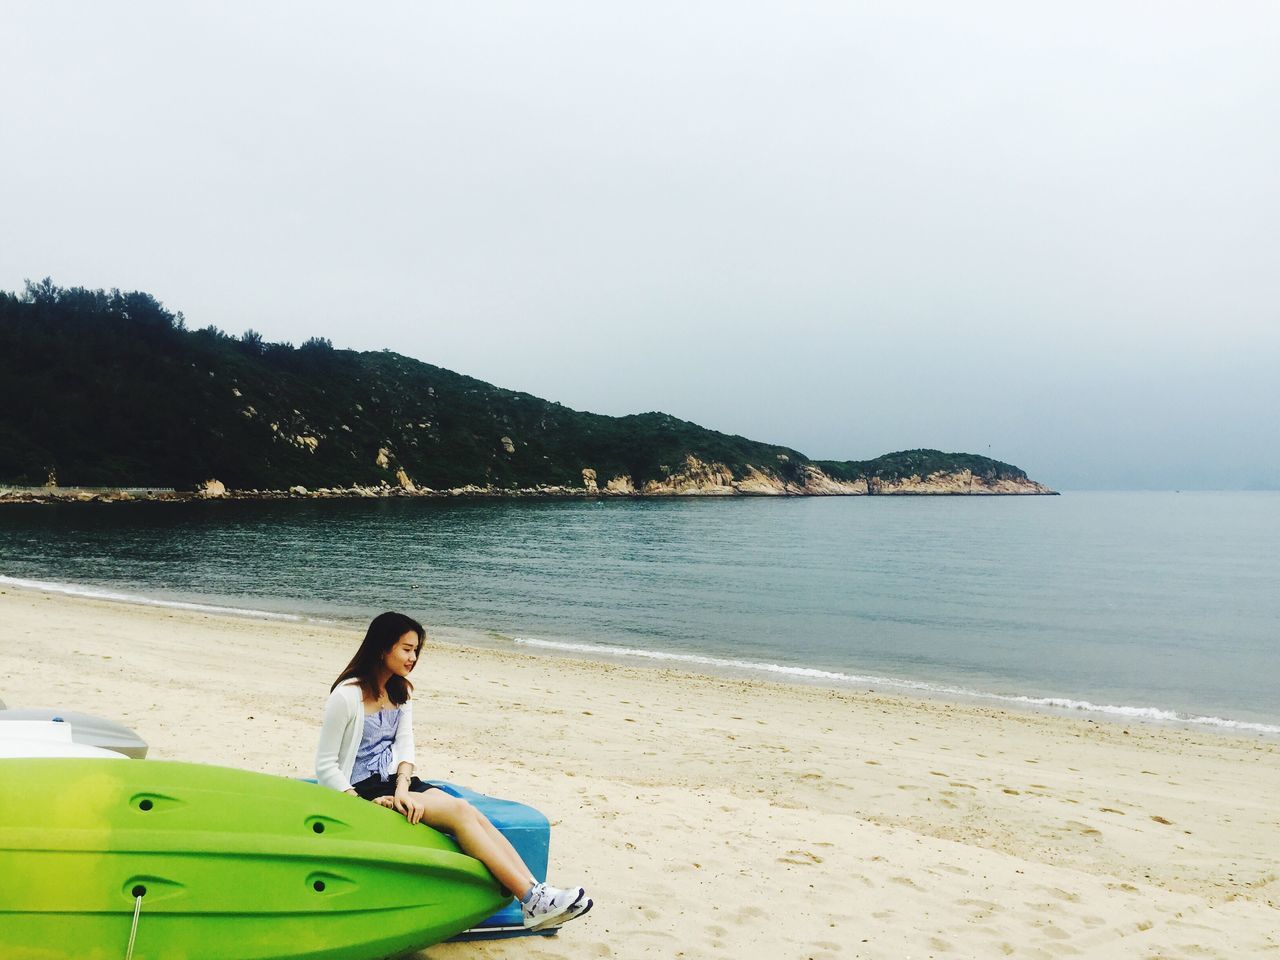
(1160, 606)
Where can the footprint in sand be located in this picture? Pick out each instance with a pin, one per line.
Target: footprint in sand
(1167, 823)
(1084, 828)
(1195, 950)
(801, 858)
(1061, 894)
(906, 882)
(1043, 907)
(982, 909)
(1050, 930)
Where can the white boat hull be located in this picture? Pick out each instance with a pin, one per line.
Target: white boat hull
(82, 728)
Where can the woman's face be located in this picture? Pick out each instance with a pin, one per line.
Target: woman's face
(400, 659)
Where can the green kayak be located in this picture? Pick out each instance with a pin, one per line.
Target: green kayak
(228, 864)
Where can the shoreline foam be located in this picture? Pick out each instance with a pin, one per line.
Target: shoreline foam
(932, 690)
(142, 600)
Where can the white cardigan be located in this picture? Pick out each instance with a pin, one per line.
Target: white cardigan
(341, 732)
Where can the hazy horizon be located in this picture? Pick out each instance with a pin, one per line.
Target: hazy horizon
(1043, 236)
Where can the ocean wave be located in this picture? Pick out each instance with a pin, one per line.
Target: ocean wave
(96, 593)
(849, 679)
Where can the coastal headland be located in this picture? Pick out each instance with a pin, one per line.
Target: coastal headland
(724, 818)
(108, 395)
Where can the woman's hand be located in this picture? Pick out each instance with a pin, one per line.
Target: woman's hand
(410, 804)
(406, 804)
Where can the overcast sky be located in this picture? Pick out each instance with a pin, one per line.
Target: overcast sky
(1045, 233)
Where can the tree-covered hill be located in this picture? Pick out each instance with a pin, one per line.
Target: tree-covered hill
(108, 388)
(920, 463)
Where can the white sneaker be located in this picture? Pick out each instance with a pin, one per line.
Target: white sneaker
(579, 909)
(548, 906)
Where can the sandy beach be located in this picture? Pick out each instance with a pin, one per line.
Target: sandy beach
(725, 818)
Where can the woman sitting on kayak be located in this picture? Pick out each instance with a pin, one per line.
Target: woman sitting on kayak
(366, 750)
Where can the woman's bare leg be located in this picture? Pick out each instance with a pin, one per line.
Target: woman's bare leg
(497, 837)
(476, 836)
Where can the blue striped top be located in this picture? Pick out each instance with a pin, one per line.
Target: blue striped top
(373, 757)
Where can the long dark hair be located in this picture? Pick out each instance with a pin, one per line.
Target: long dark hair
(383, 632)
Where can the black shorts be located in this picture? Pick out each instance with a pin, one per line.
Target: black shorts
(371, 788)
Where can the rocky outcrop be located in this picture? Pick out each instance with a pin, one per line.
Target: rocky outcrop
(819, 484)
(960, 482)
(694, 478)
(760, 484)
(697, 478)
(211, 489)
(621, 485)
(49, 494)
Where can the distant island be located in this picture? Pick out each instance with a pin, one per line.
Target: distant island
(108, 395)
